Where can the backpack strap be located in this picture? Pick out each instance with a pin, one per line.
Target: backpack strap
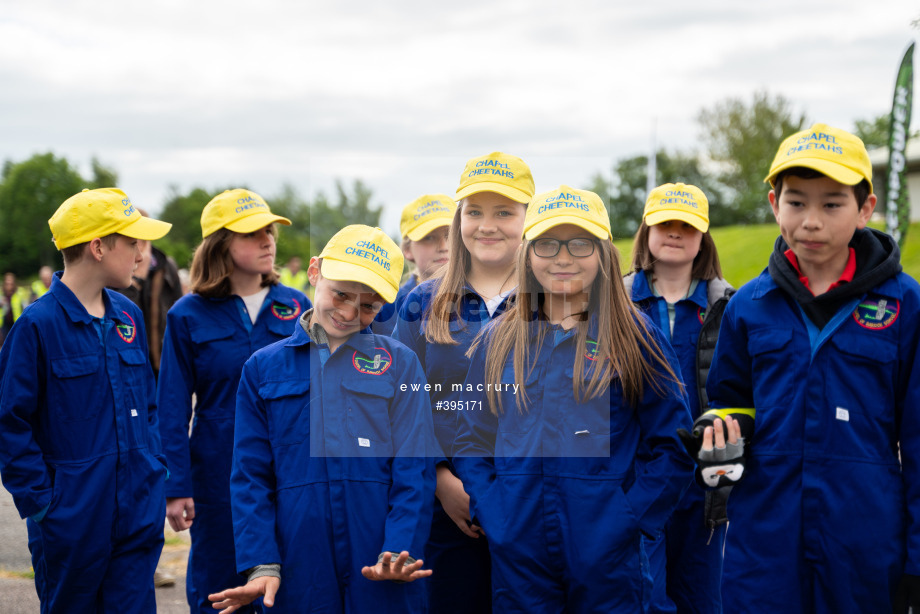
(715, 506)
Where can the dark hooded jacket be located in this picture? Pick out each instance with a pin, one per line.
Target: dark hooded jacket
(877, 259)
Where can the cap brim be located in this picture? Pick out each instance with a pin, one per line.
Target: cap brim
(146, 228)
(558, 220)
(657, 217)
(837, 172)
(345, 271)
(499, 188)
(256, 221)
(422, 230)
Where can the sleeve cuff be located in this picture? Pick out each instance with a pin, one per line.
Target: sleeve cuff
(271, 570)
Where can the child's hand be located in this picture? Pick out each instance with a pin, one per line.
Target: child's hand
(721, 464)
(398, 570)
(180, 512)
(233, 599)
(455, 501)
(716, 434)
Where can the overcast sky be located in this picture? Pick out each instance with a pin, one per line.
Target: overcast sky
(399, 94)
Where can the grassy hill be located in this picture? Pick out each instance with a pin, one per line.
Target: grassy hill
(744, 250)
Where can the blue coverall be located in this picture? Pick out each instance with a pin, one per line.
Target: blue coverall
(385, 321)
(79, 440)
(332, 467)
(825, 519)
(556, 489)
(206, 343)
(688, 554)
(461, 579)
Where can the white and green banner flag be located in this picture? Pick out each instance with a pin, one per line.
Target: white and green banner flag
(897, 205)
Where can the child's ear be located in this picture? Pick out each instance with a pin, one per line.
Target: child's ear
(865, 212)
(771, 196)
(96, 249)
(313, 272)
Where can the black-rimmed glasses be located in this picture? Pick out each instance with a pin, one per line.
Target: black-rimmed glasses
(548, 248)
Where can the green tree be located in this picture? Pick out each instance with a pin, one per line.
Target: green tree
(874, 132)
(183, 211)
(327, 217)
(312, 224)
(103, 176)
(625, 192)
(293, 240)
(30, 193)
(742, 138)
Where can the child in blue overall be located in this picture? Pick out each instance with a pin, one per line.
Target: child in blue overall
(333, 482)
(235, 307)
(439, 321)
(424, 226)
(564, 390)
(677, 282)
(79, 441)
(823, 344)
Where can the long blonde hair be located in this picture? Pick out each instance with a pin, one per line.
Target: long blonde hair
(212, 266)
(625, 346)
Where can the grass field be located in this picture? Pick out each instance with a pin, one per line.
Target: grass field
(745, 250)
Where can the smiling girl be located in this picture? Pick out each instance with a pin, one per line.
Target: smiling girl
(236, 307)
(439, 321)
(551, 468)
(677, 282)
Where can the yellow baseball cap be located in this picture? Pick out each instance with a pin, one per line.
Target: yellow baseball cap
(238, 210)
(830, 151)
(566, 205)
(98, 213)
(365, 255)
(497, 172)
(426, 213)
(677, 201)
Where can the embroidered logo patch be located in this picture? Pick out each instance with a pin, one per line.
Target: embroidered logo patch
(127, 331)
(283, 312)
(701, 314)
(377, 365)
(877, 313)
(591, 349)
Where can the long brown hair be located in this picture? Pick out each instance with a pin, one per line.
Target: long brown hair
(624, 343)
(705, 265)
(212, 266)
(450, 287)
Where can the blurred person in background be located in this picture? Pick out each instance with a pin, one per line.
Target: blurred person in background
(43, 283)
(155, 287)
(293, 275)
(13, 300)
